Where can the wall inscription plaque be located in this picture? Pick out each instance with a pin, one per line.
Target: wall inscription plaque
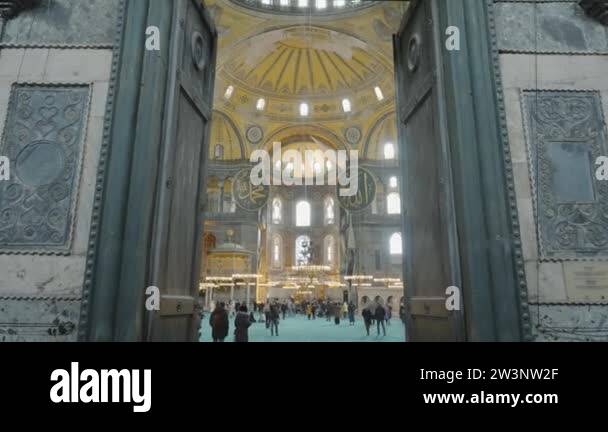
(44, 141)
(586, 281)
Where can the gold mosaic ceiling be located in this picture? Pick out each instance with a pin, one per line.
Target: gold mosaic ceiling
(305, 61)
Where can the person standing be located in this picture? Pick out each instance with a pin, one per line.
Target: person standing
(284, 310)
(380, 316)
(219, 323)
(274, 320)
(337, 313)
(351, 313)
(314, 310)
(389, 314)
(309, 311)
(367, 318)
(242, 322)
(344, 310)
(267, 314)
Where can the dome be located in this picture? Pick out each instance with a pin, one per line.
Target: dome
(322, 67)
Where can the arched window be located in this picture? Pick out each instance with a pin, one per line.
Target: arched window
(219, 151)
(393, 183)
(330, 250)
(303, 214)
(393, 204)
(276, 251)
(277, 211)
(303, 250)
(330, 212)
(389, 151)
(395, 244)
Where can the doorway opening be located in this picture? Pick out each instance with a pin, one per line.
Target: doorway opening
(311, 77)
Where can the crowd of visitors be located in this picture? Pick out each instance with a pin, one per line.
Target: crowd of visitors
(273, 311)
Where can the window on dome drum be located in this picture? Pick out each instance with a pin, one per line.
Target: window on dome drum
(389, 151)
(346, 106)
(304, 110)
(393, 204)
(330, 217)
(219, 152)
(229, 92)
(396, 247)
(261, 104)
(277, 211)
(303, 247)
(303, 214)
(329, 250)
(393, 183)
(379, 94)
(276, 251)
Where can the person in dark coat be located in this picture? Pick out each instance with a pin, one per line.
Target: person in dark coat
(380, 316)
(241, 325)
(367, 318)
(219, 323)
(351, 313)
(274, 320)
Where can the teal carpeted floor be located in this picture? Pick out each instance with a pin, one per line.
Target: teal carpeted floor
(299, 329)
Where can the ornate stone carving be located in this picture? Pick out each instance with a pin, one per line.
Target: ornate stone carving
(597, 9)
(43, 140)
(565, 133)
(11, 8)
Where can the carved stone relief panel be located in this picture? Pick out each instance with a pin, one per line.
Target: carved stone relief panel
(565, 133)
(44, 141)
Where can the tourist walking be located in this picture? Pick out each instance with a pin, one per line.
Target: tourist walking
(219, 323)
(241, 325)
(380, 316)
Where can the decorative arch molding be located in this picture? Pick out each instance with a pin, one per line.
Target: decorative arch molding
(232, 124)
(378, 123)
(289, 134)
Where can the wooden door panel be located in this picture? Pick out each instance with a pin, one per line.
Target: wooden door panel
(427, 267)
(180, 217)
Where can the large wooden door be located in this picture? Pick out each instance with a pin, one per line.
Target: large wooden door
(431, 263)
(178, 229)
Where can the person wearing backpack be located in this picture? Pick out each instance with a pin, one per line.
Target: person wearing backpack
(219, 323)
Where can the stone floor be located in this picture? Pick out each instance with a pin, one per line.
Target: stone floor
(299, 329)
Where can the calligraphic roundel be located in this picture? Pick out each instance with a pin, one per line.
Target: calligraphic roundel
(366, 193)
(246, 195)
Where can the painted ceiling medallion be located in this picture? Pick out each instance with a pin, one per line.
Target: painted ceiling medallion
(353, 135)
(12, 8)
(255, 134)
